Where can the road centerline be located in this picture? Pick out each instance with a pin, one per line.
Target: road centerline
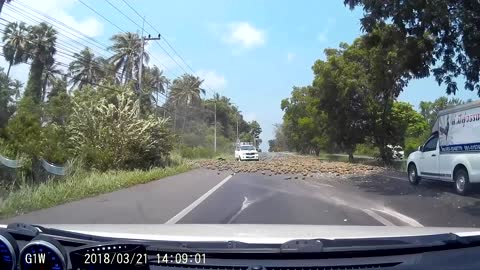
(198, 201)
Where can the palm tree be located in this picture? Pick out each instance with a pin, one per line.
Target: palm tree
(186, 90)
(85, 69)
(16, 86)
(41, 49)
(154, 82)
(127, 48)
(2, 2)
(15, 44)
(50, 75)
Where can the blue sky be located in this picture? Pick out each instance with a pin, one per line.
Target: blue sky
(252, 51)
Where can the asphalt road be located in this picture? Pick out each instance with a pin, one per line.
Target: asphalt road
(203, 196)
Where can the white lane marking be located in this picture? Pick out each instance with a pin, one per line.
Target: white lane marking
(408, 220)
(377, 217)
(192, 206)
(245, 204)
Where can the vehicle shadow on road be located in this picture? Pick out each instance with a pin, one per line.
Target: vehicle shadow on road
(383, 185)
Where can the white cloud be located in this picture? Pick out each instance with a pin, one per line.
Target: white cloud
(291, 56)
(212, 79)
(323, 35)
(58, 9)
(245, 35)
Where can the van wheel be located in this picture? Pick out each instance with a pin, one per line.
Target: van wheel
(413, 177)
(462, 183)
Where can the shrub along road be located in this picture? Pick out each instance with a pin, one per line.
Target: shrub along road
(344, 196)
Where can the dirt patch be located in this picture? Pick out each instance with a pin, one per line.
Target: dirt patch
(302, 166)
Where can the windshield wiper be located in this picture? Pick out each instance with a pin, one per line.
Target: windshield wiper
(437, 241)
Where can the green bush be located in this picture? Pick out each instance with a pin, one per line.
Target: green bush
(366, 150)
(108, 134)
(195, 152)
(412, 143)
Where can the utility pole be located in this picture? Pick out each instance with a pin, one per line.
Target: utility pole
(140, 68)
(238, 114)
(215, 120)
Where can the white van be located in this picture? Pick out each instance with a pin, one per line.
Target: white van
(452, 153)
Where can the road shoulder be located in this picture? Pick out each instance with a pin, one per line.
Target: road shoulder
(153, 202)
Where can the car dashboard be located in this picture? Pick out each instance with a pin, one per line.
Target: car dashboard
(36, 248)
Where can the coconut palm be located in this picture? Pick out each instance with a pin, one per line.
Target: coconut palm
(186, 90)
(2, 2)
(154, 82)
(15, 44)
(16, 85)
(41, 50)
(85, 69)
(51, 74)
(127, 48)
(110, 76)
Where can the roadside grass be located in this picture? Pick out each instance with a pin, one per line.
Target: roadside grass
(78, 186)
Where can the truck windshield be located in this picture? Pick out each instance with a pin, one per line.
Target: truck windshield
(247, 147)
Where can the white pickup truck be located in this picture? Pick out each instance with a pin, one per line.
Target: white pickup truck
(246, 152)
(452, 153)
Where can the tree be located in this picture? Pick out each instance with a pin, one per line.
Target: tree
(445, 31)
(127, 49)
(341, 86)
(2, 2)
(154, 83)
(303, 124)
(55, 133)
(280, 142)
(51, 74)
(186, 90)
(17, 87)
(429, 110)
(24, 133)
(15, 43)
(385, 59)
(85, 69)
(406, 122)
(41, 49)
(7, 92)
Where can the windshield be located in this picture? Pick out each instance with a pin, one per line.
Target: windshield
(240, 112)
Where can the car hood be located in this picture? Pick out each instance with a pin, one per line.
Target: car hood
(251, 233)
(248, 151)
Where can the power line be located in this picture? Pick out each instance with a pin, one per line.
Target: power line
(65, 54)
(65, 27)
(103, 17)
(170, 46)
(117, 9)
(164, 39)
(71, 77)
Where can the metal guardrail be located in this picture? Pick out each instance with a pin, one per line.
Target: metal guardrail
(11, 163)
(15, 164)
(53, 169)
